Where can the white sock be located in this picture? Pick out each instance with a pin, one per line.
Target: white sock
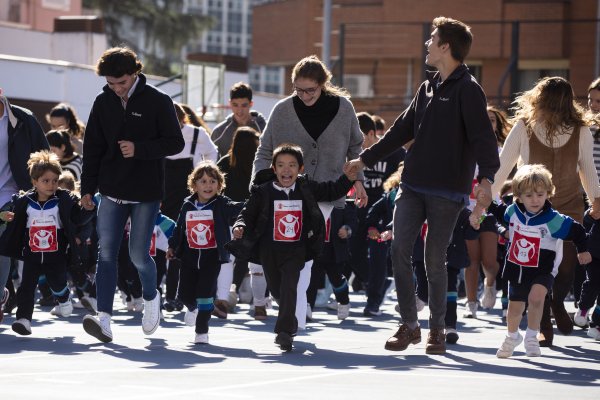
(530, 333)
(259, 287)
(513, 335)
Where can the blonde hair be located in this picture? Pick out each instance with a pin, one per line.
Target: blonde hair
(532, 177)
(209, 168)
(393, 181)
(42, 161)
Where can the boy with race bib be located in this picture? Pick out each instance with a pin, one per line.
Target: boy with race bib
(198, 241)
(283, 228)
(536, 233)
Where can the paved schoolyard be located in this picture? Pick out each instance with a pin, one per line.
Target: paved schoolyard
(331, 359)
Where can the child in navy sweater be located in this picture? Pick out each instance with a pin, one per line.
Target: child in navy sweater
(536, 232)
(200, 234)
(41, 227)
(283, 222)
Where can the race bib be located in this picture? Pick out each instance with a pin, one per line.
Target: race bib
(43, 236)
(288, 220)
(200, 229)
(153, 243)
(525, 246)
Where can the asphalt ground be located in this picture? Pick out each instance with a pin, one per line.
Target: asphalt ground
(331, 359)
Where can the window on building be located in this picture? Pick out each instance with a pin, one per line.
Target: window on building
(528, 77)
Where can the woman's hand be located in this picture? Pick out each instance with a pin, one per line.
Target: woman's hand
(238, 232)
(361, 199)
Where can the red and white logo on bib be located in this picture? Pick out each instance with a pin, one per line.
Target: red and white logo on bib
(288, 220)
(42, 235)
(525, 246)
(153, 243)
(200, 228)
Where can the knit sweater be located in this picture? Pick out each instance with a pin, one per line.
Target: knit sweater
(323, 158)
(516, 148)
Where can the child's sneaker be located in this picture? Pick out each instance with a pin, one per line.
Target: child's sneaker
(201, 338)
(488, 300)
(190, 317)
(594, 333)
(63, 309)
(98, 327)
(90, 303)
(451, 336)
(343, 311)
(508, 347)
(532, 347)
(580, 318)
(471, 310)
(22, 326)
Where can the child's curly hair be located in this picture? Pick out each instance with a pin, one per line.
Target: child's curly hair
(393, 181)
(42, 161)
(209, 168)
(532, 177)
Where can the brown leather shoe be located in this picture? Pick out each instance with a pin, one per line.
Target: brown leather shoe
(220, 309)
(403, 337)
(260, 313)
(564, 323)
(436, 341)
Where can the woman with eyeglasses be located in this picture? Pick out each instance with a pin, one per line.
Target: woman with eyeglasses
(549, 129)
(319, 118)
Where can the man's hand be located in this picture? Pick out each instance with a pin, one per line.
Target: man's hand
(361, 195)
(483, 193)
(170, 254)
(350, 172)
(7, 216)
(584, 258)
(87, 202)
(127, 148)
(343, 233)
(238, 232)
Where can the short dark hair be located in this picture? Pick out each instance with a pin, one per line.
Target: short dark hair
(291, 149)
(61, 137)
(457, 34)
(240, 90)
(118, 61)
(595, 85)
(366, 122)
(379, 123)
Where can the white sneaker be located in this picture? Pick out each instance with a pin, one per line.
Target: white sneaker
(332, 305)
(343, 311)
(532, 347)
(508, 347)
(90, 303)
(201, 338)
(232, 298)
(78, 305)
(190, 317)
(151, 318)
(63, 309)
(137, 305)
(471, 310)
(420, 303)
(22, 326)
(98, 327)
(594, 333)
(488, 300)
(580, 319)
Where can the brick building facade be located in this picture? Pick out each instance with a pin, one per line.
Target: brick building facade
(383, 43)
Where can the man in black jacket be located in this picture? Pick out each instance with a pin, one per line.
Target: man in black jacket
(131, 129)
(448, 122)
(20, 135)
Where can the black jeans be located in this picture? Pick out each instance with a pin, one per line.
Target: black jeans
(56, 276)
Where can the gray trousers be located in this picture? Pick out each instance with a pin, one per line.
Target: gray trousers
(411, 211)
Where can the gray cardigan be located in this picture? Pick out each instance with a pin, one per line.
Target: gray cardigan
(324, 158)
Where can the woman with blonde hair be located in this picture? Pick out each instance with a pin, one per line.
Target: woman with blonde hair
(549, 129)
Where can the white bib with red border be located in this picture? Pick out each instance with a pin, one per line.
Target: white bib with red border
(525, 246)
(43, 237)
(287, 217)
(200, 229)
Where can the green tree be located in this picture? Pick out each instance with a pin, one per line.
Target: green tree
(162, 24)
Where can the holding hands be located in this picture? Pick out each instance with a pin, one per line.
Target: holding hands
(238, 232)
(7, 216)
(584, 258)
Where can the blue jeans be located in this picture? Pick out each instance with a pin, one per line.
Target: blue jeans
(110, 226)
(412, 209)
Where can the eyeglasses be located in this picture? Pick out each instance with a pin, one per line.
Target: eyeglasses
(309, 91)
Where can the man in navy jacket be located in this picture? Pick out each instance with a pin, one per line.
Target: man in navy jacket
(131, 129)
(451, 133)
